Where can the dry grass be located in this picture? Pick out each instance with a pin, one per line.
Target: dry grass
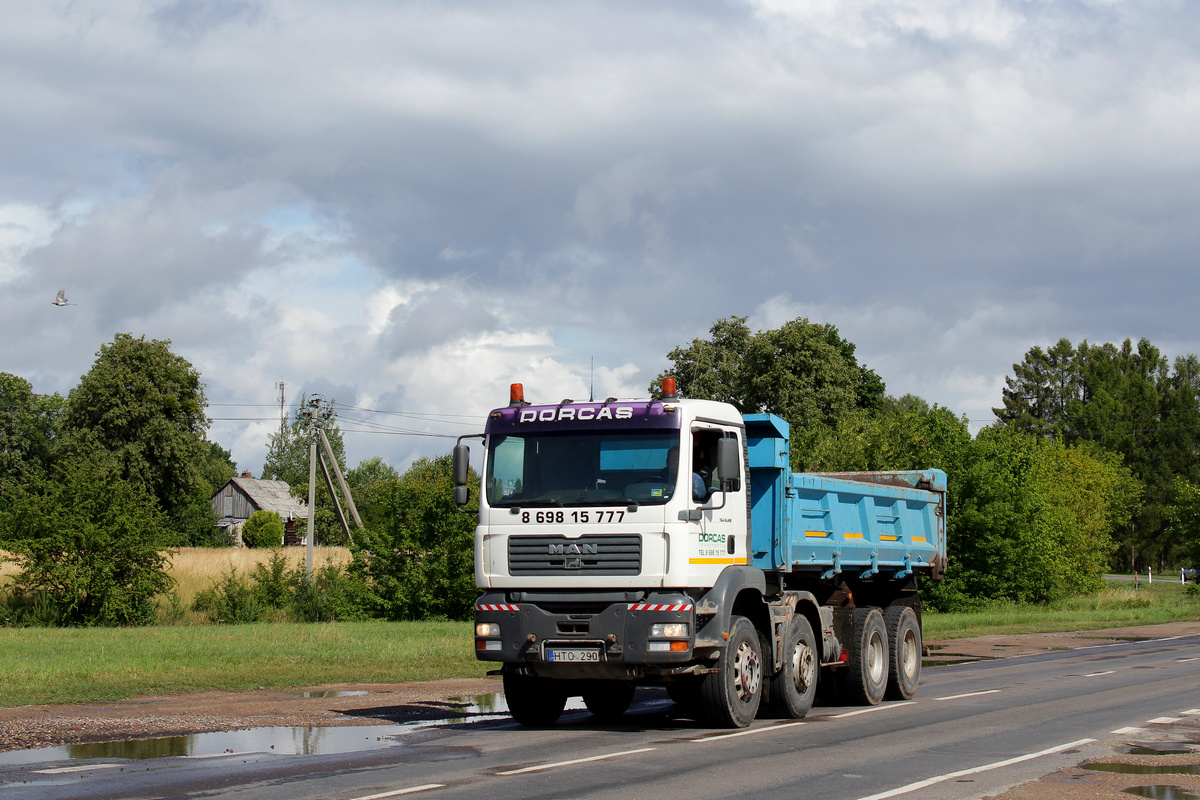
(195, 569)
(7, 569)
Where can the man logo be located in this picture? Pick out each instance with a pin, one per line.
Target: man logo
(574, 548)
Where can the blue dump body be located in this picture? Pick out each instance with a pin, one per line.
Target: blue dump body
(862, 524)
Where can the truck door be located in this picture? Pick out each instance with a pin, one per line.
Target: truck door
(717, 529)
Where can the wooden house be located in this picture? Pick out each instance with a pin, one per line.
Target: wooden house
(240, 497)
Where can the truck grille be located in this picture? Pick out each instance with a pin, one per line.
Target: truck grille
(594, 555)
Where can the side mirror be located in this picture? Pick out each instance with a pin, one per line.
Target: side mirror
(729, 460)
(462, 464)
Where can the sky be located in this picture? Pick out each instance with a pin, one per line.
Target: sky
(407, 206)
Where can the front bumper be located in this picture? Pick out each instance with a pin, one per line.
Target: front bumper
(585, 636)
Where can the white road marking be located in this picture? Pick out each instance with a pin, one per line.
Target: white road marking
(1098, 674)
(872, 709)
(1128, 731)
(912, 787)
(1191, 712)
(1163, 720)
(1186, 660)
(968, 694)
(575, 761)
(64, 770)
(398, 792)
(767, 729)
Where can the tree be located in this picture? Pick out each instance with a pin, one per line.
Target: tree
(421, 564)
(1034, 519)
(1182, 515)
(1129, 400)
(1043, 391)
(28, 427)
(905, 434)
(144, 405)
(372, 482)
(264, 529)
(802, 371)
(90, 546)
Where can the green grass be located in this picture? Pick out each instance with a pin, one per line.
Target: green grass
(53, 665)
(1118, 605)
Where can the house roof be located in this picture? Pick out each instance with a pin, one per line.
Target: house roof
(272, 496)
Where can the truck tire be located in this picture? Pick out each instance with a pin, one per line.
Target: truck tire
(608, 700)
(867, 672)
(792, 691)
(904, 652)
(534, 702)
(730, 697)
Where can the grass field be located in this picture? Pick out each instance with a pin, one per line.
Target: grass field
(53, 665)
(1117, 605)
(46, 665)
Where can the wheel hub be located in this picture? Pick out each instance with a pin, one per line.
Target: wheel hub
(747, 672)
(804, 667)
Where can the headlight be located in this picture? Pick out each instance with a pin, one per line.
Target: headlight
(669, 630)
(487, 628)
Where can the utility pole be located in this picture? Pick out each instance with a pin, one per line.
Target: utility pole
(315, 419)
(281, 388)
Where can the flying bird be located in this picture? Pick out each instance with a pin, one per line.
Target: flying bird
(61, 298)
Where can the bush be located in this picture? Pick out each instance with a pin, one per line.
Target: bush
(91, 547)
(333, 595)
(264, 529)
(230, 600)
(276, 592)
(274, 583)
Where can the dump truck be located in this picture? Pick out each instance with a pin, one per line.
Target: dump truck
(667, 542)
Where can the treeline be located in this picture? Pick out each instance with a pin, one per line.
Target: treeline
(97, 488)
(1091, 465)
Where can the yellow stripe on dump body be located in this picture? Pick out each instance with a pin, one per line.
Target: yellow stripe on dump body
(816, 534)
(717, 561)
(852, 535)
(887, 537)
(918, 538)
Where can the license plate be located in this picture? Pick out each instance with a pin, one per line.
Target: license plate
(573, 656)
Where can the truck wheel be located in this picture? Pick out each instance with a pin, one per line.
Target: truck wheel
(867, 672)
(608, 700)
(731, 696)
(793, 689)
(535, 702)
(904, 652)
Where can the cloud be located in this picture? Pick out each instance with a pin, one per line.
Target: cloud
(415, 204)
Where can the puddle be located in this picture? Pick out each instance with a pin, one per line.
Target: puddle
(278, 741)
(308, 740)
(482, 703)
(1145, 769)
(332, 693)
(1162, 792)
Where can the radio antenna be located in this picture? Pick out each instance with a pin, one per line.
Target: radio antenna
(592, 382)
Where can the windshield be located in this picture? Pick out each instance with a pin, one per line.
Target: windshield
(582, 468)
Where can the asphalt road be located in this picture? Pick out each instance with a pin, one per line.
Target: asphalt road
(974, 729)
